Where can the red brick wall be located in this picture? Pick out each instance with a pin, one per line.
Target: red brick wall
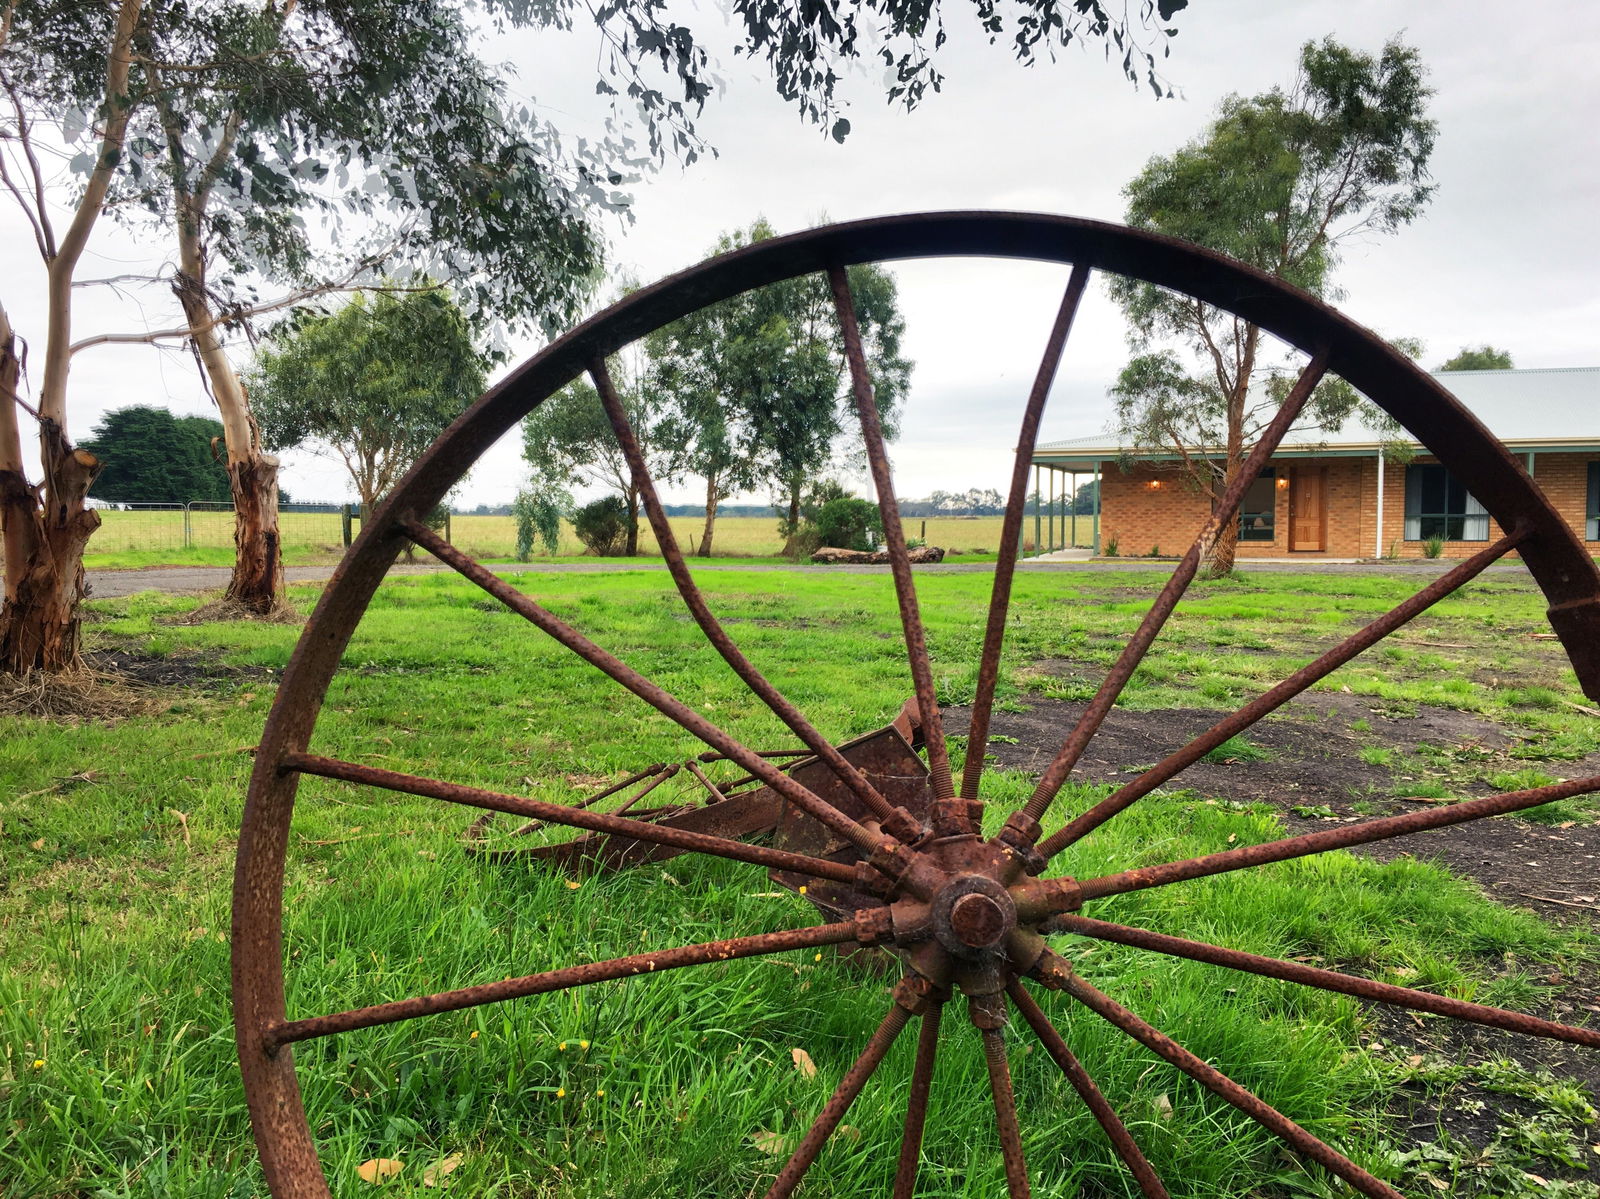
(1154, 506)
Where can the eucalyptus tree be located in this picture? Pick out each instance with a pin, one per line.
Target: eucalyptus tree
(372, 383)
(1478, 358)
(1282, 181)
(323, 144)
(758, 382)
(569, 442)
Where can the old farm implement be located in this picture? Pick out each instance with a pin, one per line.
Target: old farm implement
(906, 867)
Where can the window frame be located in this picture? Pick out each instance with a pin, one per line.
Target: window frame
(1591, 512)
(1421, 526)
(1246, 532)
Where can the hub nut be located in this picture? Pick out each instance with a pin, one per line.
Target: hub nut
(973, 914)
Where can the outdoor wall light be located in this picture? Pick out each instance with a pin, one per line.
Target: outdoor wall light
(1283, 484)
(1155, 484)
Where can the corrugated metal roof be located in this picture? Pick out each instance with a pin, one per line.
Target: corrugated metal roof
(1526, 408)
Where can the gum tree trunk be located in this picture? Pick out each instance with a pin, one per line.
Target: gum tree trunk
(257, 582)
(44, 532)
(712, 499)
(44, 529)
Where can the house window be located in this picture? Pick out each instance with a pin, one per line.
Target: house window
(1437, 505)
(1592, 512)
(1257, 509)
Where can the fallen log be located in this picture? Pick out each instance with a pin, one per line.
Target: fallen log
(829, 554)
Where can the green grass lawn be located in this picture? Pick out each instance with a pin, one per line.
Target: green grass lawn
(116, 847)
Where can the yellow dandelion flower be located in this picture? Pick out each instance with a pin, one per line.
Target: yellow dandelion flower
(473, 1036)
(817, 958)
(38, 1063)
(583, 1044)
(802, 888)
(561, 1092)
(599, 1094)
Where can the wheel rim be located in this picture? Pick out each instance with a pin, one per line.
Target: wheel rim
(963, 913)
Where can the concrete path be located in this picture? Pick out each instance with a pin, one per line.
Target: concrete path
(193, 580)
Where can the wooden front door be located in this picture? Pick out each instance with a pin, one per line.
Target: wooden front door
(1308, 508)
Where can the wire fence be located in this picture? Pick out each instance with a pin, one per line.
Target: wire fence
(201, 524)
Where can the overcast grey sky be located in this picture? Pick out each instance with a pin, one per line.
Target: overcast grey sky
(1507, 253)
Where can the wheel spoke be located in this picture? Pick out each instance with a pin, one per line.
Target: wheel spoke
(900, 822)
(1327, 980)
(287, 1032)
(1139, 644)
(839, 1103)
(802, 797)
(894, 539)
(905, 1171)
(1011, 532)
(1056, 1046)
(554, 813)
(1274, 699)
(1005, 1113)
(1225, 1088)
(638, 797)
(1363, 833)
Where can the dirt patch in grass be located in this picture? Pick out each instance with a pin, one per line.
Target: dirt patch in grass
(1307, 763)
(1479, 1111)
(194, 671)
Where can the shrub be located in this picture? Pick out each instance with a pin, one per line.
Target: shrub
(602, 526)
(849, 524)
(1433, 547)
(1111, 547)
(538, 511)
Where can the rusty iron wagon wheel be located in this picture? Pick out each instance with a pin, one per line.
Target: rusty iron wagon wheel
(961, 913)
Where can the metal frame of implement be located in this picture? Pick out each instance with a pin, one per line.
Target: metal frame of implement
(963, 913)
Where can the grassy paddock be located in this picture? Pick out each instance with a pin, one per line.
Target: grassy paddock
(117, 1073)
(161, 538)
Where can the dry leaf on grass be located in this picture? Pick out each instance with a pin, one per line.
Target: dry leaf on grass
(769, 1142)
(434, 1175)
(1163, 1107)
(803, 1063)
(849, 1132)
(380, 1169)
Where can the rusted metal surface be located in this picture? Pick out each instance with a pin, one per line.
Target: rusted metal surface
(894, 538)
(894, 822)
(564, 979)
(1089, 1091)
(1055, 775)
(1005, 566)
(1005, 1113)
(477, 797)
(1328, 980)
(917, 1092)
(1219, 1084)
(668, 705)
(1357, 643)
(895, 771)
(873, 831)
(1363, 833)
(839, 1102)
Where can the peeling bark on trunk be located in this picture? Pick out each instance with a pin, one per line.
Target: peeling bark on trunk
(44, 542)
(257, 581)
(44, 529)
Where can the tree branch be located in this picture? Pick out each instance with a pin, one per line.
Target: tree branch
(39, 213)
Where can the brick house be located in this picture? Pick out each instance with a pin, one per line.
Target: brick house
(1335, 495)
